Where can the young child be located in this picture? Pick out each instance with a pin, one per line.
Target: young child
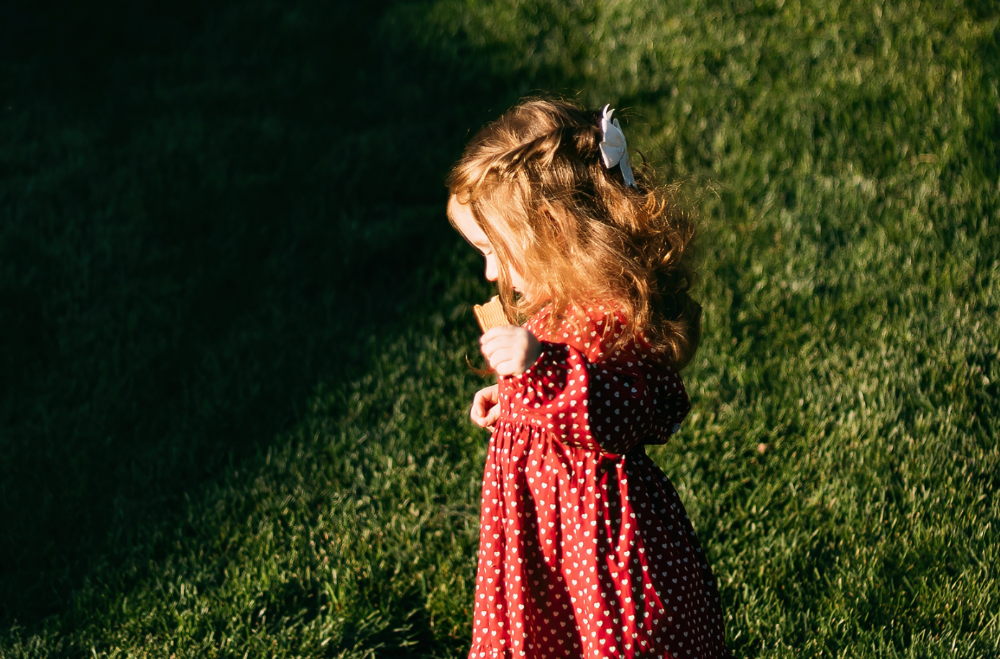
(585, 548)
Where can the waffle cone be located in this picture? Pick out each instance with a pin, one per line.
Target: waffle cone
(491, 314)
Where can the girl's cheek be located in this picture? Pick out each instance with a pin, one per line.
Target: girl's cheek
(491, 268)
(517, 281)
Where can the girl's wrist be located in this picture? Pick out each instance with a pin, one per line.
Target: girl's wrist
(534, 367)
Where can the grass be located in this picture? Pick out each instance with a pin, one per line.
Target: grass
(234, 320)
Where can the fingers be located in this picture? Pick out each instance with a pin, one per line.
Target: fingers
(479, 409)
(501, 355)
(510, 344)
(478, 416)
(501, 330)
(486, 397)
(485, 419)
(490, 393)
(488, 420)
(484, 408)
(509, 366)
(492, 416)
(500, 337)
(512, 360)
(507, 361)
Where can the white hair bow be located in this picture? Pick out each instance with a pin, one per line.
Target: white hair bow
(613, 148)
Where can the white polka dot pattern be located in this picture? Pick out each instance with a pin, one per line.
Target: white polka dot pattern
(585, 548)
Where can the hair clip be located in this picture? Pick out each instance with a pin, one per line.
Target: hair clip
(613, 147)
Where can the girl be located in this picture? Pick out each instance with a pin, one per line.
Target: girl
(585, 548)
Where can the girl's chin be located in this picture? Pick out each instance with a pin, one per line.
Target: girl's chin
(527, 297)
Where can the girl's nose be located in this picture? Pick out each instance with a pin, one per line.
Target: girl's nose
(491, 268)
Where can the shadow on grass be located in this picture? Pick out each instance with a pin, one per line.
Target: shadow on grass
(205, 211)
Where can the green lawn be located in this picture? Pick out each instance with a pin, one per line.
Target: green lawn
(234, 321)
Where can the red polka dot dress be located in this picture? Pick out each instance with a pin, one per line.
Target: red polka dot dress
(585, 548)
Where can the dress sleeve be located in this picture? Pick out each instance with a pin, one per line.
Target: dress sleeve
(611, 405)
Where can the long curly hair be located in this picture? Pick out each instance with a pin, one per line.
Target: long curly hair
(537, 187)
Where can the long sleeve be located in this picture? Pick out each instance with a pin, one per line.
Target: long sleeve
(612, 404)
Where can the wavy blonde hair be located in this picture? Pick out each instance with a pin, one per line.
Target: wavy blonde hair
(537, 187)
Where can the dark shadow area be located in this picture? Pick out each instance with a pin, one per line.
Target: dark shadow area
(985, 105)
(206, 210)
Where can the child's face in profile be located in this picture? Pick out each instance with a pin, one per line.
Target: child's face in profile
(461, 215)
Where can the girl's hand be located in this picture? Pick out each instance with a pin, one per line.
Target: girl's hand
(485, 410)
(510, 349)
